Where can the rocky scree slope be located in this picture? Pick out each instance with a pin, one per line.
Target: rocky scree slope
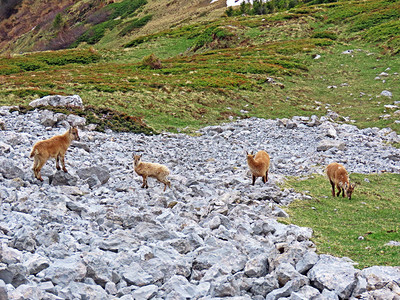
(93, 233)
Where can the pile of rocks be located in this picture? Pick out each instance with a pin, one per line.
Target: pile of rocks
(93, 233)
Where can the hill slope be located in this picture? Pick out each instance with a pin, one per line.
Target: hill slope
(186, 73)
(35, 25)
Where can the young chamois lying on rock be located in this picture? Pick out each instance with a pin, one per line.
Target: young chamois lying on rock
(259, 165)
(338, 177)
(146, 169)
(54, 147)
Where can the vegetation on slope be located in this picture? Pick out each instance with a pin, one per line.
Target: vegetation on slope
(231, 67)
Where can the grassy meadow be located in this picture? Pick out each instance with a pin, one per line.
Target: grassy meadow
(358, 228)
(302, 62)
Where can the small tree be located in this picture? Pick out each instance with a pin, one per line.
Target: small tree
(58, 21)
(229, 11)
(244, 8)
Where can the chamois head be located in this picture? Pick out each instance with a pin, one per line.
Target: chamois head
(250, 155)
(73, 133)
(349, 189)
(136, 159)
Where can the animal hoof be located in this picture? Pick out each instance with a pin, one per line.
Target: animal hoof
(58, 168)
(65, 170)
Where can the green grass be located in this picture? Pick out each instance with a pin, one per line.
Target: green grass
(229, 71)
(338, 222)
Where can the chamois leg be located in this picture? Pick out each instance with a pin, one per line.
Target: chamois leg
(166, 182)
(35, 164)
(338, 193)
(264, 179)
(39, 166)
(144, 185)
(333, 188)
(266, 176)
(343, 192)
(63, 163)
(254, 178)
(57, 162)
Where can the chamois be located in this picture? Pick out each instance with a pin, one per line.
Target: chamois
(259, 165)
(146, 169)
(338, 177)
(54, 147)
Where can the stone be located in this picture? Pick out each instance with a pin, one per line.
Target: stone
(36, 263)
(76, 121)
(57, 100)
(135, 275)
(111, 288)
(305, 293)
(331, 132)
(3, 290)
(307, 262)
(263, 285)
(88, 291)
(286, 272)
(325, 145)
(48, 118)
(145, 292)
(257, 266)
(386, 93)
(374, 278)
(63, 178)
(10, 170)
(101, 173)
(291, 286)
(334, 274)
(64, 271)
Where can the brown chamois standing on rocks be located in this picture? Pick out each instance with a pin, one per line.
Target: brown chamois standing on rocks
(338, 177)
(146, 169)
(54, 147)
(259, 165)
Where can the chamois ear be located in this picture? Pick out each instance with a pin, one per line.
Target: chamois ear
(353, 185)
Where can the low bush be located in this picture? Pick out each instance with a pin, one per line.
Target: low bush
(325, 35)
(104, 118)
(152, 61)
(134, 24)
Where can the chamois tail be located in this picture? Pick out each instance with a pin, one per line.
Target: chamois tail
(33, 153)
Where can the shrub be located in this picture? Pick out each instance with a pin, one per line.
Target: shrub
(125, 8)
(9, 69)
(104, 118)
(30, 65)
(24, 93)
(325, 35)
(134, 24)
(136, 42)
(114, 10)
(152, 61)
(209, 35)
(60, 58)
(229, 11)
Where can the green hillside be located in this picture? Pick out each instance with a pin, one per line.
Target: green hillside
(303, 61)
